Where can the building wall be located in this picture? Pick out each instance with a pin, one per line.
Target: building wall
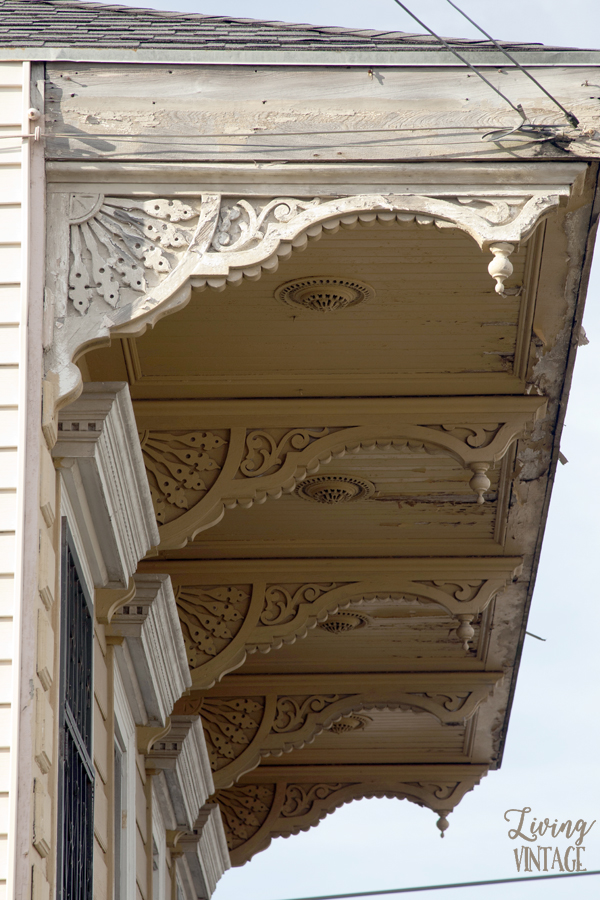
(12, 76)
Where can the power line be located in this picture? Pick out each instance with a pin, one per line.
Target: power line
(442, 887)
(571, 119)
(518, 108)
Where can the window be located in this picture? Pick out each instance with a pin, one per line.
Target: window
(76, 772)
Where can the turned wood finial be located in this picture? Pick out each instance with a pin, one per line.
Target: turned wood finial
(501, 267)
(479, 483)
(465, 630)
(443, 823)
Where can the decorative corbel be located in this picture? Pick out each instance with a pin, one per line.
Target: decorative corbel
(134, 261)
(240, 731)
(258, 810)
(108, 601)
(223, 622)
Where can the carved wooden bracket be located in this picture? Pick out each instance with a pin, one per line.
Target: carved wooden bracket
(254, 813)
(242, 730)
(107, 602)
(195, 476)
(272, 603)
(134, 261)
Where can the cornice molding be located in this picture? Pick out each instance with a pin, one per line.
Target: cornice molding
(206, 850)
(134, 261)
(97, 451)
(182, 756)
(155, 664)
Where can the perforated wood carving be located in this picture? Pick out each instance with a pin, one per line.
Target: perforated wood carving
(210, 618)
(323, 293)
(119, 244)
(259, 464)
(240, 730)
(133, 262)
(331, 489)
(254, 814)
(181, 468)
(223, 623)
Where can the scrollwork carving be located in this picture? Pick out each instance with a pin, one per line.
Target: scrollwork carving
(282, 601)
(243, 224)
(300, 798)
(265, 453)
(291, 713)
(257, 813)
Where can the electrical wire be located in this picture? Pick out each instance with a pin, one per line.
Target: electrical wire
(571, 119)
(442, 887)
(518, 108)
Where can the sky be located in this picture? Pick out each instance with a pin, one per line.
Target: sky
(551, 758)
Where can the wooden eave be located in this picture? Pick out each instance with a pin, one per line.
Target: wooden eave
(300, 616)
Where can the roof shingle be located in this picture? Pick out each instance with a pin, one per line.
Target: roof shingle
(76, 23)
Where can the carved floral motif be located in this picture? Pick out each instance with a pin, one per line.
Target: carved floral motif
(244, 810)
(230, 726)
(181, 468)
(210, 618)
(118, 243)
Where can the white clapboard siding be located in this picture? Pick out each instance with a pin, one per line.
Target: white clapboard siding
(11, 196)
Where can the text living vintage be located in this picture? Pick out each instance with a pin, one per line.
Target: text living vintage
(547, 858)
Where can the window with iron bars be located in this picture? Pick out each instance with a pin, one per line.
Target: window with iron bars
(76, 772)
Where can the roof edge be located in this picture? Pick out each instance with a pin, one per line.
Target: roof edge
(379, 58)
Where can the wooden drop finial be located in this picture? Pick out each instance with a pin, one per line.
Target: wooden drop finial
(443, 823)
(501, 267)
(480, 483)
(465, 630)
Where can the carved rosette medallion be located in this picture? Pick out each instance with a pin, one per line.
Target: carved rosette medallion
(333, 489)
(343, 622)
(323, 293)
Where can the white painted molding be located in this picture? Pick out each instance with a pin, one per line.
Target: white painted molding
(152, 659)
(99, 453)
(206, 851)
(183, 758)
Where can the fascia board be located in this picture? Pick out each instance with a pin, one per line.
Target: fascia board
(299, 58)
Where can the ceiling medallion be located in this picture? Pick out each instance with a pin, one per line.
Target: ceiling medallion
(350, 723)
(323, 293)
(335, 488)
(342, 622)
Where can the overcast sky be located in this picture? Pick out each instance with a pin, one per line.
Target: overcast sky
(551, 760)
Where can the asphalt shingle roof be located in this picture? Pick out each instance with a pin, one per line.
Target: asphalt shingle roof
(75, 23)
